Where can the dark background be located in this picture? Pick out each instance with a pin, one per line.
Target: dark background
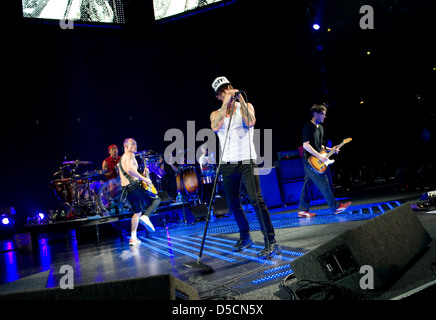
(72, 93)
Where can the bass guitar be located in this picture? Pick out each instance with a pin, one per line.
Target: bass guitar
(148, 187)
(317, 165)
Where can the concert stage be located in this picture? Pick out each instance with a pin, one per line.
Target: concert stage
(237, 275)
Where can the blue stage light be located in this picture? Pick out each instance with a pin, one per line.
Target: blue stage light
(5, 221)
(41, 216)
(316, 26)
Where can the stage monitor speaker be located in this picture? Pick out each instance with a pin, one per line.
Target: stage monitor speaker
(196, 213)
(220, 207)
(387, 243)
(160, 287)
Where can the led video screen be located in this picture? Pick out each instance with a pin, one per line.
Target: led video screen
(100, 11)
(164, 9)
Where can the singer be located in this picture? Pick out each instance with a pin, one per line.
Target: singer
(238, 161)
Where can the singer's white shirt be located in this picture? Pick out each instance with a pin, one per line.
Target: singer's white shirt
(240, 139)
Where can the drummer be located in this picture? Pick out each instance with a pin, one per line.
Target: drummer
(110, 163)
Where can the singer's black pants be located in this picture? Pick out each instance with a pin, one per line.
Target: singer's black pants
(233, 176)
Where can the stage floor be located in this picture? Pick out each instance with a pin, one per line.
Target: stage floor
(237, 275)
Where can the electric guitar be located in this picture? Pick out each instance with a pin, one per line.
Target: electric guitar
(317, 165)
(148, 187)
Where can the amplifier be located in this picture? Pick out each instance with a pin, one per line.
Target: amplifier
(284, 155)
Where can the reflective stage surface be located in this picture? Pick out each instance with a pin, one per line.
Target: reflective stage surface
(168, 249)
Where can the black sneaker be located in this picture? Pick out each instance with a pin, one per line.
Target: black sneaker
(269, 251)
(242, 244)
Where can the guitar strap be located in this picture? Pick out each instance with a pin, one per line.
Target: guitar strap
(131, 181)
(128, 177)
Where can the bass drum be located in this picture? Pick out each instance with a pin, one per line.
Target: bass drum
(109, 198)
(63, 189)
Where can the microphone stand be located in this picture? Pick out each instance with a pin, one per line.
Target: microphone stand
(201, 267)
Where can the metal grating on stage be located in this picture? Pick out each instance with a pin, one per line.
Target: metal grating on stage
(227, 265)
(280, 220)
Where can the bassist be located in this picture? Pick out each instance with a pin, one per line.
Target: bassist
(313, 135)
(136, 194)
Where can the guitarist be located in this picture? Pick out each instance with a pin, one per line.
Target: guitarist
(313, 136)
(130, 178)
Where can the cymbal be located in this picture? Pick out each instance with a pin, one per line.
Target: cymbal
(77, 162)
(58, 172)
(95, 172)
(146, 154)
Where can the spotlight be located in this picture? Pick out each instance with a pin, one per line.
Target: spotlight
(41, 216)
(316, 26)
(7, 222)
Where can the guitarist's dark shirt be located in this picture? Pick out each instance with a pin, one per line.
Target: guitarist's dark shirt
(315, 136)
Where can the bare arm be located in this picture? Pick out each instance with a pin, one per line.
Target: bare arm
(132, 169)
(105, 166)
(217, 118)
(312, 151)
(249, 117)
(335, 148)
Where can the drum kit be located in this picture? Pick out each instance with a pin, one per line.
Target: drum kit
(84, 194)
(87, 193)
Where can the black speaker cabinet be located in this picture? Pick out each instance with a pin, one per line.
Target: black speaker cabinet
(220, 207)
(160, 287)
(196, 213)
(387, 243)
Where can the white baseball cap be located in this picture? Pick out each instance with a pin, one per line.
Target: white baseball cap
(218, 82)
